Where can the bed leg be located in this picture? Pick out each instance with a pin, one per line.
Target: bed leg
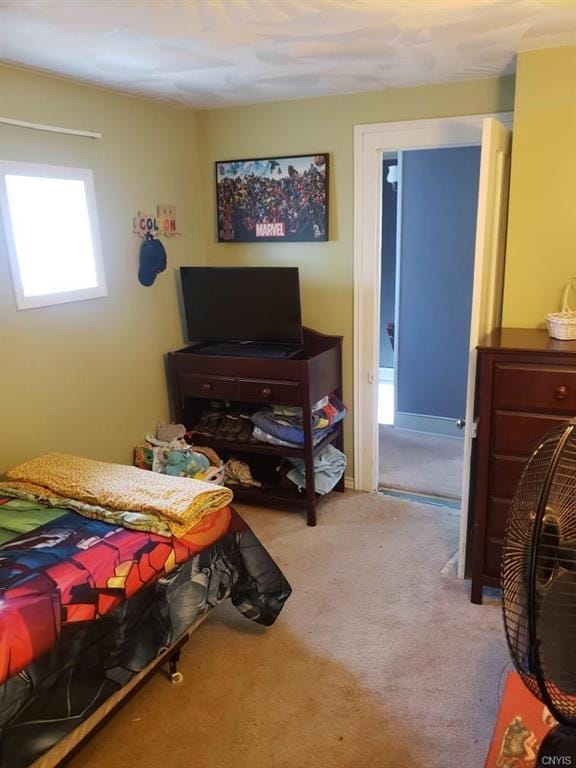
(175, 676)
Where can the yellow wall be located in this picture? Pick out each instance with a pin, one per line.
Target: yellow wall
(541, 252)
(324, 125)
(88, 376)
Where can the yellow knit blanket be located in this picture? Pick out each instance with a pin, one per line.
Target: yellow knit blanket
(180, 502)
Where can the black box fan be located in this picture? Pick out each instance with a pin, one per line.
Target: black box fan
(539, 586)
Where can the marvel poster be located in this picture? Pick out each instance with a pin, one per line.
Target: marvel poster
(279, 199)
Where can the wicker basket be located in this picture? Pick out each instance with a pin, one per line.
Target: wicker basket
(562, 325)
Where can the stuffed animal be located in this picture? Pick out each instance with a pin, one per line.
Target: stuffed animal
(197, 465)
(186, 464)
(176, 462)
(214, 474)
(168, 432)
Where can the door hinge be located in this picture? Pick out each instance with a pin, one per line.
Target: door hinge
(370, 378)
(474, 430)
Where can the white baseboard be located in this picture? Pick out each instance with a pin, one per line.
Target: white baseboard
(432, 425)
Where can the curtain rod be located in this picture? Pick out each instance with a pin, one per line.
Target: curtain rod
(51, 128)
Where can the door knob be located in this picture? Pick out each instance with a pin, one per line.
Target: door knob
(461, 423)
(561, 392)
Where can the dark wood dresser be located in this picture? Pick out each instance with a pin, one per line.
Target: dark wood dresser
(526, 385)
(195, 378)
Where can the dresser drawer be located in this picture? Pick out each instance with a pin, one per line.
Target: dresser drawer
(217, 387)
(496, 518)
(519, 433)
(261, 391)
(526, 386)
(505, 474)
(535, 388)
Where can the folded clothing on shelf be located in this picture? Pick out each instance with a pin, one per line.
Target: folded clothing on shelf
(330, 413)
(286, 424)
(296, 410)
(329, 466)
(329, 410)
(263, 437)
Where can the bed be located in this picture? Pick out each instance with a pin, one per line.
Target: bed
(88, 609)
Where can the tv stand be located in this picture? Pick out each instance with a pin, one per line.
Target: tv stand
(248, 349)
(195, 377)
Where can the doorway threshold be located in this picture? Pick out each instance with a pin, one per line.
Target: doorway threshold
(421, 498)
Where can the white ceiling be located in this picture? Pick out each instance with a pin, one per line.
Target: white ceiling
(207, 53)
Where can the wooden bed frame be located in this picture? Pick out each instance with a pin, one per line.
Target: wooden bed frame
(67, 747)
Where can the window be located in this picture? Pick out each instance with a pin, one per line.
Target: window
(51, 227)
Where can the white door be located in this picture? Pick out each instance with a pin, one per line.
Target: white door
(488, 280)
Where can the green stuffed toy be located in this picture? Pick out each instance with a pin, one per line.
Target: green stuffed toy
(186, 464)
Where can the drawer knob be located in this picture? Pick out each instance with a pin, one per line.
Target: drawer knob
(266, 392)
(207, 386)
(561, 392)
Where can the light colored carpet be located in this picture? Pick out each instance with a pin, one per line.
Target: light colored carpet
(413, 461)
(377, 660)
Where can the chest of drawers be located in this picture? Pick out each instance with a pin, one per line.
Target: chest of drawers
(526, 385)
(196, 378)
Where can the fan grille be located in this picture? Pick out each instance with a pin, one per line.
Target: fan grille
(557, 603)
(542, 642)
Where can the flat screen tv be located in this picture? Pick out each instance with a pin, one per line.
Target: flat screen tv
(242, 304)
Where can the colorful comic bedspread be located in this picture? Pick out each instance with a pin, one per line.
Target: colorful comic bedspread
(85, 605)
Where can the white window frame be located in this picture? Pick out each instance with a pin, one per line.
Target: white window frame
(18, 168)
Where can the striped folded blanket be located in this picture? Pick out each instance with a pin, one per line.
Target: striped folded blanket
(117, 494)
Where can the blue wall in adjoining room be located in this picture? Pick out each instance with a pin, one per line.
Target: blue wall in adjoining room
(439, 203)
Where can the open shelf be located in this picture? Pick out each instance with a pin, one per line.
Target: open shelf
(264, 448)
(262, 496)
(197, 378)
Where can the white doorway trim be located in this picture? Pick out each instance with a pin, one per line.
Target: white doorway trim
(370, 143)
